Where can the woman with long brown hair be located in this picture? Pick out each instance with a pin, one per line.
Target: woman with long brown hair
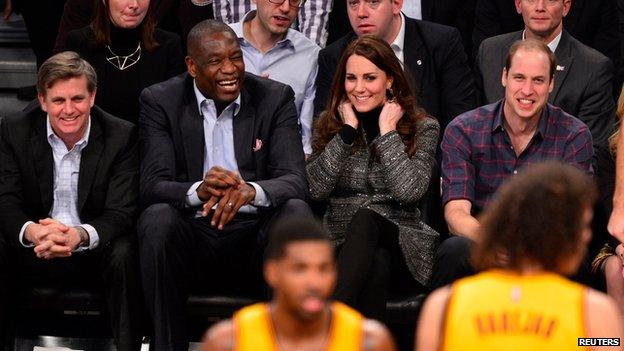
(128, 53)
(373, 155)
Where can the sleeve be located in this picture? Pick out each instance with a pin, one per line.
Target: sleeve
(286, 161)
(313, 19)
(12, 215)
(323, 82)
(324, 169)
(307, 111)
(597, 106)
(579, 150)
(458, 93)
(407, 178)
(458, 172)
(120, 208)
(157, 155)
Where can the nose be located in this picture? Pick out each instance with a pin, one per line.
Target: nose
(285, 6)
(362, 10)
(360, 85)
(228, 67)
(527, 87)
(133, 4)
(540, 5)
(68, 107)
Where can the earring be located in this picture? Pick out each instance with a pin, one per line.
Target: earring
(390, 95)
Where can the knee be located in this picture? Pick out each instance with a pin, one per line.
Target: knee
(455, 248)
(296, 207)
(157, 224)
(123, 253)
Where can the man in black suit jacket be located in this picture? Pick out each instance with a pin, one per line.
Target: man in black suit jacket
(239, 133)
(593, 22)
(583, 76)
(432, 53)
(68, 195)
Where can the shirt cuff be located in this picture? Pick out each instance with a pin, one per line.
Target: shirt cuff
(261, 199)
(192, 200)
(347, 134)
(94, 238)
(21, 235)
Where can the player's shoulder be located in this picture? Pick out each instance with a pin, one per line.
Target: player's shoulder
(219, 337)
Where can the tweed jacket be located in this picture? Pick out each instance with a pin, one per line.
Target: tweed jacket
(390, 186)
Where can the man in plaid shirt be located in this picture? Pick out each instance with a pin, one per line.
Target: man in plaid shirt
(483, 147)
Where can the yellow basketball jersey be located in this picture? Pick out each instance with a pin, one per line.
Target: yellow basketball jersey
(503, 311)
(253, 329)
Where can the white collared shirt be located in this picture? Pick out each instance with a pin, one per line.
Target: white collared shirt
(399, 42)
(219, 148)
(552, 45)
(65, 187)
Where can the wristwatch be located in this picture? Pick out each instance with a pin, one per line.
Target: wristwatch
(84, 236)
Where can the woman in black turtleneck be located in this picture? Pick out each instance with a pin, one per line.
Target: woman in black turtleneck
(373, 155)
(128, 53)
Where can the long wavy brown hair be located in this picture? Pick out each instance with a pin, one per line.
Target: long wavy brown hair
(101, 26)
(381, 55)
(619, 113)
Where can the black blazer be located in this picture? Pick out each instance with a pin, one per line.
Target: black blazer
(118, 91)
(172, 145)
(593, 22)
(583, 80)
(435, 64)
(107, 183)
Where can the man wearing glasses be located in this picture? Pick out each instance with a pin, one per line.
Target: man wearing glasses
(432, 54)
(272, 50)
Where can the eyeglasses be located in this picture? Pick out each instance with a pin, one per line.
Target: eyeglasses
(292, 3)
(371, 4)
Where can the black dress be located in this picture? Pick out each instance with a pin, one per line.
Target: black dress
(118, 90)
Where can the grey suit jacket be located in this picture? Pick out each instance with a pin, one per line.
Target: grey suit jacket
(171, 141)
(583, 80)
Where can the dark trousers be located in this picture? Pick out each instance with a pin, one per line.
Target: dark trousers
(180, 255)
(113, 268)
(452, 261)
(42, 19)
(368, 261)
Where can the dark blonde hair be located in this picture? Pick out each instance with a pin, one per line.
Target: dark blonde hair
(531, 45)
(537, 217)
(65, 65)
(619, 112)
(381, 55)
(101, 26)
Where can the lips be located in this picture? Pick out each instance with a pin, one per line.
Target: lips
(228, 85)
(282, 21)
(525, 103)
(361, 98)
(313, 304)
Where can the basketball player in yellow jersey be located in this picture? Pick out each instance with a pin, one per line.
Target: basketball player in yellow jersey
(534, 233)
(299, 266)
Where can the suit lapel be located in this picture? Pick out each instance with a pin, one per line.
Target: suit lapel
(244, 125)
(44, 162)
(562, 65)
(192, 129)
(415, 53)
(89, 159)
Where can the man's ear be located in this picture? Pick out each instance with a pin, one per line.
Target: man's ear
(504, 77)
(270, 272)
(41, 99)
(190, 66)
(518, 6)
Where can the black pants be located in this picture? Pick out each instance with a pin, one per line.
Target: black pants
(180, 255)
(452, 261)
(42, 19)
(113, 268)
(368, 261)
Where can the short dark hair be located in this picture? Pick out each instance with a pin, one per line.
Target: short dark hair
(288, 231)
(65, 65)
(200, 30)
(537, 216)
(531, 45)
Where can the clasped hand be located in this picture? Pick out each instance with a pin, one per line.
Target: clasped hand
(228, 191)
(52, 238)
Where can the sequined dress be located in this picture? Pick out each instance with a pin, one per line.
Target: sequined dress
(391, 187)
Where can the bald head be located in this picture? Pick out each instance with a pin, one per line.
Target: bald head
(196, 39)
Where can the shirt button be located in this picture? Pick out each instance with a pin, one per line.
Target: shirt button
(511, 147)
(515, 171)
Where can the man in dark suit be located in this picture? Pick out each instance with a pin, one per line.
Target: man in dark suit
(583, 76)
(432, 54)
(593, 22)
(68, 195)
(238, 132)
